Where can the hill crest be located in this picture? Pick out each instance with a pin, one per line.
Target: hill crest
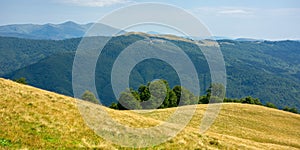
(34, 118)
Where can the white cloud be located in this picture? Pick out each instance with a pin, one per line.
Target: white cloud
(247, 12)
(94, 3)
(235, 12)
(227, 11)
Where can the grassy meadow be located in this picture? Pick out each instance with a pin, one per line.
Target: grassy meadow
(32, 118)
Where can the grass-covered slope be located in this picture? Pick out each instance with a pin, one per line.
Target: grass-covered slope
(34, 118)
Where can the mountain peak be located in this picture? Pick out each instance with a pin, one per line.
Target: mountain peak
(69, 23)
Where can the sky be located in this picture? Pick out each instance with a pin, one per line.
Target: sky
(259, 19)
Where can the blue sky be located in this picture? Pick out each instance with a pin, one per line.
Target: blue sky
(261, 19)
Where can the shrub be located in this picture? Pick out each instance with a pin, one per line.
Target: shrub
(21, 80)
(270, 105)
(250, 100)
(293, 110)
(89, 96)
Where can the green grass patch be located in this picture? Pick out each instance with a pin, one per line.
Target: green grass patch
(51, 139)
(5, 142)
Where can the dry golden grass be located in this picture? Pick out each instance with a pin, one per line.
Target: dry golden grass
(33, 118)
(166, 36)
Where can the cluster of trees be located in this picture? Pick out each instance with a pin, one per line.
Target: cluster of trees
(159, 95)
(293, 110)
(156, 94)
(245, 100)
(152, 96)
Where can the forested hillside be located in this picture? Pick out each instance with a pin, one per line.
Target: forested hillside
(267, 70)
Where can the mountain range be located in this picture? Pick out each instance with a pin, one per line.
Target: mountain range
(71, 29)
(268, 70)
(44, 55)
(50, 31)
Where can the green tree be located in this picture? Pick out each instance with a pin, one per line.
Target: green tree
(203, 99)
(251, 100)
(89, 96)
(114, 106)
(187, 97)
(127, 101)
(270, 105)
(214, 94)
(177, 91)
(159, 90)
(293, 110)
(21, 80)
(172, 99)
(135, 94)
(144, 93)
(231, 100)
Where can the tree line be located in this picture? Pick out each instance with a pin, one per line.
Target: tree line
(178, 96)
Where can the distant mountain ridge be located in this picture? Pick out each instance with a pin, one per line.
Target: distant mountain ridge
(71, 29)
(50, 31)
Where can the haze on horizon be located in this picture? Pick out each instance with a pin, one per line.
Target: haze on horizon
(270, 20)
